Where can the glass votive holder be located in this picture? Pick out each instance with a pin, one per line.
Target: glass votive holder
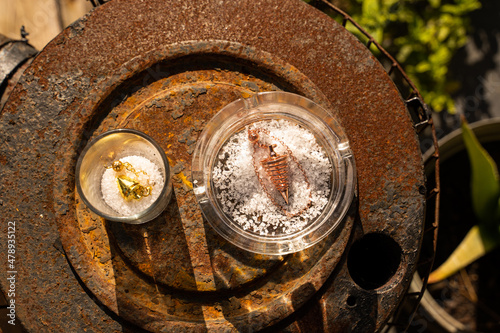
(123, 175)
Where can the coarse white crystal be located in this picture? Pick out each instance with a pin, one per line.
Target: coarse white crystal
(241, 195)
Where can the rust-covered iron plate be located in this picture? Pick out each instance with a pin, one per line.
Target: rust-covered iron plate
(165, 68)
(174, 272)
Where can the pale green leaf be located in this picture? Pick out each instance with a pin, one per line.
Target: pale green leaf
(450, 105)
(475, 245)
(370, 7)
(435, 3)
(485, 185)
(423, 67)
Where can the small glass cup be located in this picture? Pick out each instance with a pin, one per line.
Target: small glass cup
(100, 153)
(274, 106)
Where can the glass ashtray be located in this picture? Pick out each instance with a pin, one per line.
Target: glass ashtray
(273, 173)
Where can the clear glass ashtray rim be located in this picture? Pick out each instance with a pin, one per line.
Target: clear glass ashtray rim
(235, 117)
(151, 211)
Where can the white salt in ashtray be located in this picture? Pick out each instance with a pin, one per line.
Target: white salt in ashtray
(123, 175)
(274, 173)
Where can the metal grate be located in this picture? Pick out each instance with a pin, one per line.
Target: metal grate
(422, 120)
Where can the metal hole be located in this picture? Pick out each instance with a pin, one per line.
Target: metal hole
(373, 260)
(351, 301)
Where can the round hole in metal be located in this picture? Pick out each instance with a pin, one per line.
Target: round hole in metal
(351, 301)
(373, 260)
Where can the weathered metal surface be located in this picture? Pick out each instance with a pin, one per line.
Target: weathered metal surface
(178, 284)
(166, 70)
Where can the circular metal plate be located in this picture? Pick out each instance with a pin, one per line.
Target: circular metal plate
(165, 68)
(174, 272)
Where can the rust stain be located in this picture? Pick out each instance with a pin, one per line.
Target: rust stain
(185, 180)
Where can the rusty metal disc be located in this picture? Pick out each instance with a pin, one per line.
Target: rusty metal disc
(166, 70)
(174, 272)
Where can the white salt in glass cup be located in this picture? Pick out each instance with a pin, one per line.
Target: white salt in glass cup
(230, 214)
(111, 146)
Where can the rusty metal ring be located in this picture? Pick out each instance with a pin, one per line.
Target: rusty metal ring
(100, 277)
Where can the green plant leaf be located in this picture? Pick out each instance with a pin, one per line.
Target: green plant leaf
(476, 243)
(485, 192)
(485, 183)
(424, 34)
(370, 7)
(435, 3)
(423, 66)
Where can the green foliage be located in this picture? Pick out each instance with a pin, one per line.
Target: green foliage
(485, 195)
(423, 35)
(485, 182)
